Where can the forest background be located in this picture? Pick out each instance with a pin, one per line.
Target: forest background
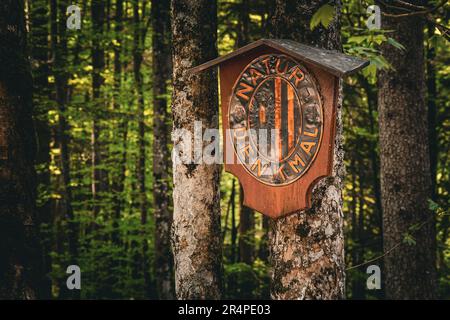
(102, 110)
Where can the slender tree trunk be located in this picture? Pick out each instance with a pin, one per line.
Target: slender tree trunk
(371, 103)
(59, 52)
(138, 48)
(246, 232)
(21, 260)
(196, 232)
(360, 234)
(410, 270)
(307, 248)
(98, 64)
(233, 222)
(243, 24)
(354, 234)
(40, 54)
(432, 109)
(117, 186)
(246, 215)
(263, 250)
(160, 16)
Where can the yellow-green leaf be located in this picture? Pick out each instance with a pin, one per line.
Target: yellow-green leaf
(323, 16)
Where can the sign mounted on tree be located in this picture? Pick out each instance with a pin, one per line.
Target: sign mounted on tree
(278, 101)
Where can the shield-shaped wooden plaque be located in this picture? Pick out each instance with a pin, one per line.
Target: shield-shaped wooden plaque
(278, 100)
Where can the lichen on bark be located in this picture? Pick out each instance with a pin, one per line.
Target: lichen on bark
(196, 233)
(307, 248)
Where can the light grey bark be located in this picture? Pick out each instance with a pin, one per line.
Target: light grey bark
(307, 248)
(196, 219)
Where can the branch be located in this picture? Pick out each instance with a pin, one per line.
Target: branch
(410, 13)
(410, 5)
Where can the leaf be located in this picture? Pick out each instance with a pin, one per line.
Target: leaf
(379, 39)
(370, 71)
(357, 39)
(323, 16)
(395, 44)
(433, 206)
(408, 239)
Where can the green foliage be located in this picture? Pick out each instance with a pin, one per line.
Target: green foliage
(115, 270)
(323, 16)
(243, 281)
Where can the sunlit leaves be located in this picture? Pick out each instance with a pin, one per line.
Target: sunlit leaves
(323, 16)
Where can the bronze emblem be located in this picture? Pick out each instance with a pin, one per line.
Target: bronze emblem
(276, 117)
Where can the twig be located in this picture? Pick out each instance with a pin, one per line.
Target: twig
(374, 259)
(410, 5)
(411, 13)
(397, 245)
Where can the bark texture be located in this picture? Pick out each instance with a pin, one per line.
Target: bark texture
(20, 256)
(196, 226)
(410, 270)
(307, 248)
(39, 33)
(161, 154)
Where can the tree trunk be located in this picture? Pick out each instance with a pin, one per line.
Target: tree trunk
(21, 260)
(246, 215)
(39, 33)
(196, 231)
(117, 186)
(98, 64)
(138, 49)
(160, 16)
(371, 103)
(432, 109)
(410, 270)
(233, 223)
(246, 232)
(59, 52)
(360, 234)
(354, 229)
(307, 248)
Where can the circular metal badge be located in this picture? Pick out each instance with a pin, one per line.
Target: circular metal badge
(276, 119)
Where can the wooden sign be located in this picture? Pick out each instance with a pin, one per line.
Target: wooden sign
(278, 100)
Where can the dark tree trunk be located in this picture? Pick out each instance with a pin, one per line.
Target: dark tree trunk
(371, 95)
(243, 24)
(297, 271)
(40, 55)
(263, 250)
(59, 52)
(21, 260)
(160, 16)
(359, 235)
(354, 233)
(246, 232)
(138, 49)
(196, 232)
(117, 185)
(410, 270)
(246, 215)
(432, 109)
(98, 64)
(233, 222)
